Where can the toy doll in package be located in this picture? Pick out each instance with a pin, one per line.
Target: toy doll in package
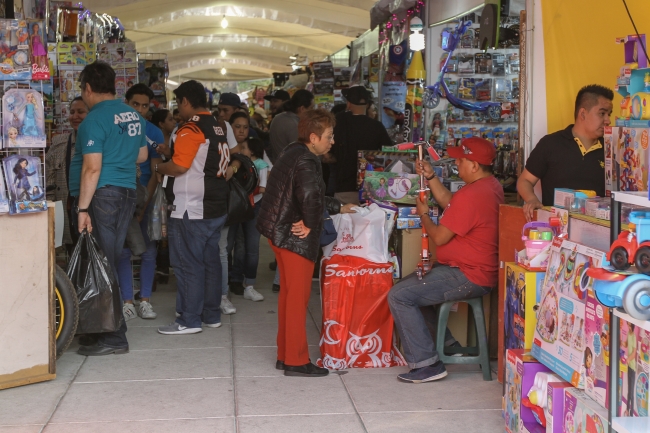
(4, 203)
(23, 120)
(26, 194)
(15, 53)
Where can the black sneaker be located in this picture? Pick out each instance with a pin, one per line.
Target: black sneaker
(455, 345)
(276, 288)
(424, 374)
(307, 370)
(236, 288)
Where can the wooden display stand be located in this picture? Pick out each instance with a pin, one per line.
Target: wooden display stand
(27, 292)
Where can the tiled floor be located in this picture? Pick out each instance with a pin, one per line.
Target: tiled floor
(224, 380)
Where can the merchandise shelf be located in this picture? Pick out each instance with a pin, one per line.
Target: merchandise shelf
(643, 324)
(631, 425)
(638, 198)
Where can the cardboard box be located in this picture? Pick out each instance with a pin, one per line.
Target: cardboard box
(582, 414)
(522, 292)
(453, 185)
(411, 212)
(627, 148)
(596, 355)
(554, 410)
(635, 370)
(412, 223)
(521, 369)
(563, 197)
(559, 341)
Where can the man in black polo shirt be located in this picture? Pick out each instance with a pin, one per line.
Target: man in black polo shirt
(573, 157)
(354, 131)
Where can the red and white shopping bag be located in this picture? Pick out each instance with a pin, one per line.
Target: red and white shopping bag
(357, 329)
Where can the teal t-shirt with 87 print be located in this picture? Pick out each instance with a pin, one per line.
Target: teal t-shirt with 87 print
(117, 131)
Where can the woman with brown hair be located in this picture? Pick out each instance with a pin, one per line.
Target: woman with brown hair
(291, 218)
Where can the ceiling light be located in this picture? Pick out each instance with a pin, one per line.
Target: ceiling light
(223, 53)
(172, 82)
(223, 71)
(224, 22)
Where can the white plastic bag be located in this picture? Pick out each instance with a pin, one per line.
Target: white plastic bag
(361, 234)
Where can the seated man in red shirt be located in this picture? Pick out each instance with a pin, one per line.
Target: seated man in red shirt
(467, 251)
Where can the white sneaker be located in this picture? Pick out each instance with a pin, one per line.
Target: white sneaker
(252, 294)
(145, 310)
(176, 328)
(212, 325)
(226, 306)
(129, 312)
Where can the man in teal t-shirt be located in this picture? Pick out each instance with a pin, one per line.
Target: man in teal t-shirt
(110, 141)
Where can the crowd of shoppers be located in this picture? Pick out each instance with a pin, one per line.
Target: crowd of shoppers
(112, 153)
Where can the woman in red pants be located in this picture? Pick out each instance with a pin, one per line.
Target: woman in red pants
(291, 217)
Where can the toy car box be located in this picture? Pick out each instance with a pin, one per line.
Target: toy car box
(596, 356)
(554, 410)
(559, 341)
(582, 414)
(521, 369)
(522, 292)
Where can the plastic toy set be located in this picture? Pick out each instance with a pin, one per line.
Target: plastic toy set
(522, 293)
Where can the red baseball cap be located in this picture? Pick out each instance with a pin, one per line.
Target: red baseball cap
(475, 149)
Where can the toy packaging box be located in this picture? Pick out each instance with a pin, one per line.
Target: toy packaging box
(559, 340)
(26, 194)
(372, 160)
(394, 187)
(521, 369)
(15, 52)
(596, 357)
(627, 149)
(522, 293)
(23, 120)
(74, 53)
(634, 370)
(4, 203)
(554, 410)
(39, 61)
(582, 414)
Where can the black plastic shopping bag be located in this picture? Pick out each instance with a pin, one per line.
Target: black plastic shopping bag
(100, 306)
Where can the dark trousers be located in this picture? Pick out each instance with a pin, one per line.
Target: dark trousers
(194, 254)
(110, 211)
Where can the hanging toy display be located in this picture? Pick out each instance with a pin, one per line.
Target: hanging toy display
(15, 53)
(24, 123)
(26, 193)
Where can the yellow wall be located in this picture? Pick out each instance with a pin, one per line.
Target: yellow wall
(580, 49)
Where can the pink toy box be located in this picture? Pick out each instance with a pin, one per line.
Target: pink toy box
(582, 414)
(559, 341)
(596, 356)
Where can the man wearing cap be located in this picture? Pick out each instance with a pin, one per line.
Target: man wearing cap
(466, 238)
(276, 99)
(354, 131)
(229, 103)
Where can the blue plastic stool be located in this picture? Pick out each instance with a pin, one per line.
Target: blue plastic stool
(477, 355)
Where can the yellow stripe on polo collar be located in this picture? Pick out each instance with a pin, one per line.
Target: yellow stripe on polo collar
(584, 151)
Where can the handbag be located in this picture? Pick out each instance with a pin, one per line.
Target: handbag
(328, 235)
(240, 207)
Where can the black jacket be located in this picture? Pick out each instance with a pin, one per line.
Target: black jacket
(295, 191)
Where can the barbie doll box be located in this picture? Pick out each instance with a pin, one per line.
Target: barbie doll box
(596, 356)
(559, 339)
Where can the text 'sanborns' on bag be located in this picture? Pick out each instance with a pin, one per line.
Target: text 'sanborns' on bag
(357, 329)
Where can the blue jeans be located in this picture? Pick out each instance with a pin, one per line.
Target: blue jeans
(442, 284)
(147, 266)
(245, 260)
(194, 254)
(223, 256)
(111, 210)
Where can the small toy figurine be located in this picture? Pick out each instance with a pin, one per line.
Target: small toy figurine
(29, 121)
(39, 53)
(21, 181)
(381, 191)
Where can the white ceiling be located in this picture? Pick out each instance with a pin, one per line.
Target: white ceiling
(260, 37)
